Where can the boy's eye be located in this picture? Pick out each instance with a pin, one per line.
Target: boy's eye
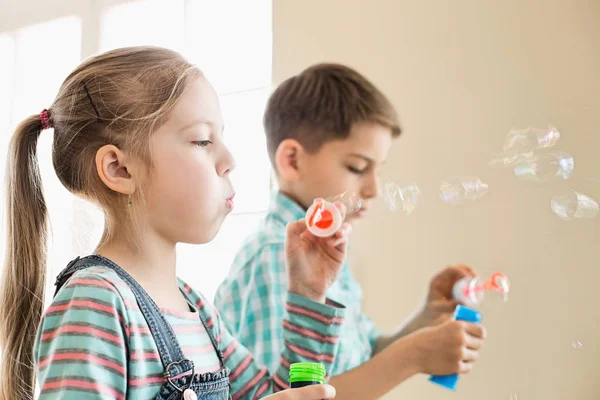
(355, 170)
(202, 143)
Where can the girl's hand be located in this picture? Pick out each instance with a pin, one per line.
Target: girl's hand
(314, 263)
(312, 392)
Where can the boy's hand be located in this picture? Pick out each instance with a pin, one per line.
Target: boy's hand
(449, 348)
(314, 263)
(312, 392)
(440, 304)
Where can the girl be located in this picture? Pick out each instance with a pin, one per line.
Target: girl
(138, 131)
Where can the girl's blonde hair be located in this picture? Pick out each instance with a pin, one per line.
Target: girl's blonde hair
(120, 97)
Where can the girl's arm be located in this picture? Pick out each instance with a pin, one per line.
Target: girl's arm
(310, 333)
(81, 347)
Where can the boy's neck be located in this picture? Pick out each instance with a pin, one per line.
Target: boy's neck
(294, 199)
(292, 194)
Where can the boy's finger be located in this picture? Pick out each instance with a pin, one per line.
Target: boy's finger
(456, 273)
(470, 355)
(466, 270)
(465, 367)
(473, 342)
(475, 330)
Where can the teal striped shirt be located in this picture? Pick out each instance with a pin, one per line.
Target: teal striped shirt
(94, 342)
(252, 298)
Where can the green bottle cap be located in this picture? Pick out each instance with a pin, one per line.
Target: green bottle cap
(307, 372)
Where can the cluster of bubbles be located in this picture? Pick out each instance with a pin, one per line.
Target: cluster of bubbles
(462, 189)
(397, 198)
(531, 156)
(573, 205)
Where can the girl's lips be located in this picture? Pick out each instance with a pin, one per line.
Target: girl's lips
(229, 202)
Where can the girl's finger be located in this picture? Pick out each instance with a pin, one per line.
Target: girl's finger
(341, 236)
(312, 392)
(344, 230)
(339, 242)
(296, 227)
(342, 208)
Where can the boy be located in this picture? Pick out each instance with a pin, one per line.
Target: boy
(329, 131)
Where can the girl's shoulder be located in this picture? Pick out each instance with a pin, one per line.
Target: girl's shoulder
(96, 287)
(198, 300)
(194, 296)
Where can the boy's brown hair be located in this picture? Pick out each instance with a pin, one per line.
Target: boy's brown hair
(323, 103)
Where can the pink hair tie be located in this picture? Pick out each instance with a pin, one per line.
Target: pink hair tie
(45, 118)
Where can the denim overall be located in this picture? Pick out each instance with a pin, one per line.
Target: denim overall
(209, 386)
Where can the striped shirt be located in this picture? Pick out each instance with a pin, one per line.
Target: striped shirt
(252, 298)
(94, 341)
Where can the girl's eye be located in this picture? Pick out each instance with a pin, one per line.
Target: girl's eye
(202, 143)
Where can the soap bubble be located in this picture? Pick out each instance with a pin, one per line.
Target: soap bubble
(462, 189)
(398, 198)
(577, 345)
(520, 145)
(574, 205)
(544, 167)
(530, 139)
(510, 159)
(352, 201)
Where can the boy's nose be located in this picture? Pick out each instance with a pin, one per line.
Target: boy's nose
(371, 189)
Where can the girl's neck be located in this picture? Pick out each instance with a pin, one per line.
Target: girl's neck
(151, 261)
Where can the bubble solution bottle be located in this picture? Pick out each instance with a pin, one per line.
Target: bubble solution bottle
(470, 291)
(306, 374)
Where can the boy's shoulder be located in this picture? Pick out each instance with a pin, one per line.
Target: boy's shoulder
(268, 239)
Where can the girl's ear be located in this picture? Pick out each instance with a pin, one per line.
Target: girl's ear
(115, 169)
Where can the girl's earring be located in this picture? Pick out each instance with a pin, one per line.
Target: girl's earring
(129, 202)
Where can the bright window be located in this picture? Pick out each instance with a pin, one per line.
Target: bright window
(230, 40)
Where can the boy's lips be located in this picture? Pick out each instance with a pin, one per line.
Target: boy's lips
(361, 212)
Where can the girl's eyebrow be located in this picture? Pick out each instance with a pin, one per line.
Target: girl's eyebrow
(202, 121)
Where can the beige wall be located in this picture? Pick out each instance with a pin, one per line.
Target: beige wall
(461, 74)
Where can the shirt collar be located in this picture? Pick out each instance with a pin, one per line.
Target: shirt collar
(284, 208)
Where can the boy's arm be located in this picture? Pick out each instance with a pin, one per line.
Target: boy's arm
(382, 373)
(438, 307)
(252, 304)
(449, 348)
(412, 324)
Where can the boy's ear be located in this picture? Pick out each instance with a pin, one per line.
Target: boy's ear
(115, 169)
(287, 159)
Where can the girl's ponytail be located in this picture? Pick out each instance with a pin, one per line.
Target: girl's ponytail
(24, 281)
